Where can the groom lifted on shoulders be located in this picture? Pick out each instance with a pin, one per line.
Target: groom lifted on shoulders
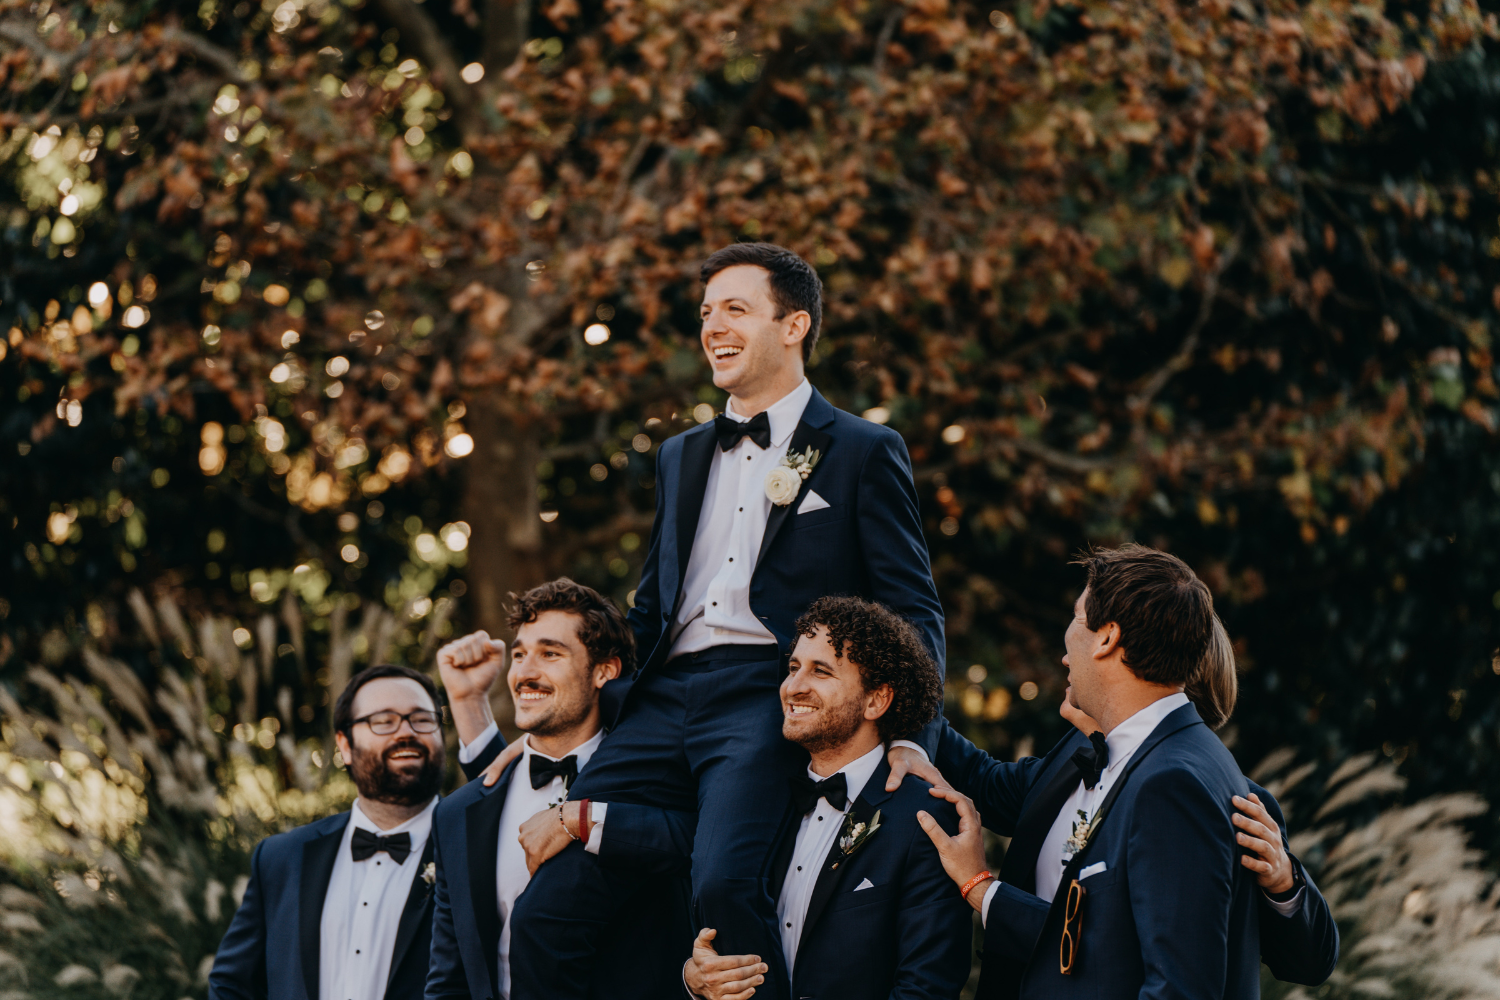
(781, 500)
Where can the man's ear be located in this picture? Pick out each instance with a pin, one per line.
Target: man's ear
(1109, 641)
(345, 751)
(606, 670)
(878, 702)
(798, 326)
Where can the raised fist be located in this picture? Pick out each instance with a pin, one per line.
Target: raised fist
(471, 665)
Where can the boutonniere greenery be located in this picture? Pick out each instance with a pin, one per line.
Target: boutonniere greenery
(1082, 828)
(854, 835)
(429, 874)
(784, 482)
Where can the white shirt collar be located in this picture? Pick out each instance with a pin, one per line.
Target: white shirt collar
(784, 414)
(419, 826)
(857, 772)
(582, 751)
(1130, 734)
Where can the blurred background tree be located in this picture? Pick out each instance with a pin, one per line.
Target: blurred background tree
(337, 320)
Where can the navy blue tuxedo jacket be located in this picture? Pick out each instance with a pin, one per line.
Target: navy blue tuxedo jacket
(1155, 840)
(466, 920)
(867, 542)
(904, 936)
(272, 948)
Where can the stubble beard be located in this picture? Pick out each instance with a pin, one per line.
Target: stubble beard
(839, 726)
(564, 716)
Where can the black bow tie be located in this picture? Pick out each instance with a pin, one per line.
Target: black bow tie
(544, 770)
(367, 843)
(806, 792)
(730, 430)
(1091, 763)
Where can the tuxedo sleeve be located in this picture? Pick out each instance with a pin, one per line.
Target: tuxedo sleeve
(897, 567)
(1013, 921)
(445, 966)
(483, 757)
(648, 839)
(1180, 866)
(239, 970)
(934, 926)
(1303, 947)
(997, 787)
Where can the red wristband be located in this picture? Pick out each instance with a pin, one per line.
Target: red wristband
(969, 885)
(584, 824)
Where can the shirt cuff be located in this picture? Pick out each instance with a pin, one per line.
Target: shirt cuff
(469, 751)
(1287, 908)
(911, 746)
(596, 836)
(989, 894)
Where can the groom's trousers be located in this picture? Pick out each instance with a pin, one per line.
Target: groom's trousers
(702, 733)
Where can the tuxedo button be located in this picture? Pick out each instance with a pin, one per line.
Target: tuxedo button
(666, 616)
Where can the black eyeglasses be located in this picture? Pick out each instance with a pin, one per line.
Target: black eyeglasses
(386, 723)
(1072, 937)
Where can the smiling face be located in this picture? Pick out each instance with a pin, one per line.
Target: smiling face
(750, 350)
(824, 704)
(555, 687)
(403, 768)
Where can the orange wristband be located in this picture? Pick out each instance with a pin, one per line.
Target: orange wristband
(969, 885)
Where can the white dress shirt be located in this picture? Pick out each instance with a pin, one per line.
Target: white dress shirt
(521, 803)
(362, 911)
(1123, 742)
(815, 838)
(716, 588)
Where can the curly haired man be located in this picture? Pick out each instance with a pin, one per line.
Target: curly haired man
(862, 906)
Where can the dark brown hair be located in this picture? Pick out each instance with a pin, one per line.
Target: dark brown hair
(1164, 611)
(602, 629)
(888, 650)
(795, 286)
(343, 708)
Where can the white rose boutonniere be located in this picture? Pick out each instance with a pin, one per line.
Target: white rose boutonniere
(784, 482)
(854, 835)
(429, 874)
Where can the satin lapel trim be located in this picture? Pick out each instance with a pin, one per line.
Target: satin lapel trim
(835, 866)
(697, 458)
(317, 869)
(1179, 720)
(1019, 866)
(417, 903)
(804, 437)
(483, 842)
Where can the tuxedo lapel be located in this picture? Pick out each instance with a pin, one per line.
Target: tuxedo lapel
(1019, 867)
(482, 825)
(317, 869)
(1179, 720)
(418, 901)
(817, 414)
(697, 458)
(835, 865)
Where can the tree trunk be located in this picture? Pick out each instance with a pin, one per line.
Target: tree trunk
(500, 504)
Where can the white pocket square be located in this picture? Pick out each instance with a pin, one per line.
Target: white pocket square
(866, 884)
(1092, 870)
(812, 502)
